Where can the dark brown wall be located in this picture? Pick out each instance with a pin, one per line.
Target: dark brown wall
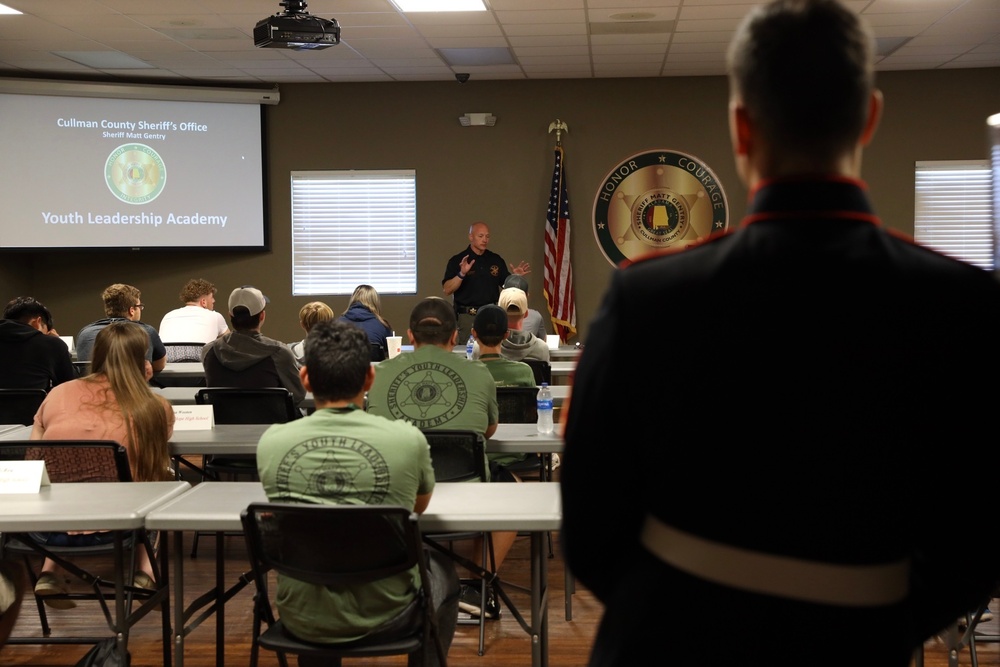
(501, 175)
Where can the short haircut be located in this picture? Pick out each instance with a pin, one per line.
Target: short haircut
(242, 320)
(196, 288)
(433, 321)
(804, 72)
(26, 308)
(490, 325)
(313, 313)
(119, 298)
(337, 359)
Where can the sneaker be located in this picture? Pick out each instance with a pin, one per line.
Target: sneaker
(986, 616)
(469, 600)
(143, 580)
(50, 584)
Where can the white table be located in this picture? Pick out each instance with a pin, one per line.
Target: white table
(229, 439)
(15, 432)
(216, 507)
(119, 507)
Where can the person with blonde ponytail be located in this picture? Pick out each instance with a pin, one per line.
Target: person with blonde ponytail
(113, 402)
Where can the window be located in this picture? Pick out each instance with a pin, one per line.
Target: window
(953, 211)
(351, 228)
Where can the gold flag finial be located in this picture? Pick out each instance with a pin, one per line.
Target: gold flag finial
(559, 128)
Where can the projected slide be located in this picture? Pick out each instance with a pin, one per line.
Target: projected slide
(119, 173)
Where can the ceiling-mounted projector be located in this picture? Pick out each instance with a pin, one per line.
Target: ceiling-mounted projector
(295, 28)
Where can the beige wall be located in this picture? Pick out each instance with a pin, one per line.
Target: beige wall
(501, 175)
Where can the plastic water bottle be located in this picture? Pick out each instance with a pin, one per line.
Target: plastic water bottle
(544, 403)
(469, 346)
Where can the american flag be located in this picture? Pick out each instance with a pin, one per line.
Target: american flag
(558, 270)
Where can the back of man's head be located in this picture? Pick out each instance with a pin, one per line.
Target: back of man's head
(119, 299)
(518, 281)
(337, 359)
(432, 321)
(490, 325)
(25, 308)
(515, 302)
(803, 70)
(196, 288)
(246, 303)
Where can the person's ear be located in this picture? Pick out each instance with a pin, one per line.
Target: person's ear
(263, 314)
(875, 106)
(409, 337)
(740, 128)
(369, 377)
(304, 376)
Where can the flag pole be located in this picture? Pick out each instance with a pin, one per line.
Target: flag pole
(559, 293)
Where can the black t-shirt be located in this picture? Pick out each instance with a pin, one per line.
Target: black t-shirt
(483, 282)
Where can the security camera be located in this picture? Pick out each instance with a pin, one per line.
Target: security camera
(462, 77)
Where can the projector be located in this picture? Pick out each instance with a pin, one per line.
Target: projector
(297, 31)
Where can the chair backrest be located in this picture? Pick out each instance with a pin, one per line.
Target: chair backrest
(18, 406)
(457, 456)
(236, 405)
(290, 538)
(73, 460)
(518, 405)
(542, 370)
(178, 352)
(379, 353)
(82, 368)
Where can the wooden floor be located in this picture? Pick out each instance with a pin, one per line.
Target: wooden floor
(506, 643)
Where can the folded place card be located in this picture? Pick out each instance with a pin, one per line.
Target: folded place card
(23, 476)
(194, 417)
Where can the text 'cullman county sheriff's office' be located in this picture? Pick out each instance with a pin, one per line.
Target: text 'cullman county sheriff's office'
(77, 218)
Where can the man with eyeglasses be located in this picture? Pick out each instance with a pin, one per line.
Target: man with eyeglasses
(122, 303)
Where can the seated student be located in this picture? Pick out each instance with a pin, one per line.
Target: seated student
(520, 344)
(122, 303)
(533, 321)
(365, 311)
(245, 358)
(197, 320)
(114, 402)
(434, 388)
(310, 315)
(31, 353)
(340, 439)
(489, 329)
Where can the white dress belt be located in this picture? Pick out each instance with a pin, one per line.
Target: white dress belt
(779, 576)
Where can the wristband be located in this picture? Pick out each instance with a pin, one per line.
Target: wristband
(461, 276)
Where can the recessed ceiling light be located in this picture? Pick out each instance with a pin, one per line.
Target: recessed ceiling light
(4, 9)
(439, 5)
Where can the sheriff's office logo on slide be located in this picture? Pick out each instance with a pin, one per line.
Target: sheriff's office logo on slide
(657, 200)
(428, 395)
(135, 173)
(335, 467)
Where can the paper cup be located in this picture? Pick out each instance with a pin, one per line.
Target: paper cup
(553, 341)
(395, 345)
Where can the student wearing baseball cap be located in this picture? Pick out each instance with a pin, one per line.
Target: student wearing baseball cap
(244, 357)
(520, 344)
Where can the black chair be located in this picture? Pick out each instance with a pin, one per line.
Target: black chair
(460, 456)
(379, 353)
(82, 368)
(18, 406)
(518, 405)
(378, 541)
(78, 461)
(236, 405)
(542, 370)
(181, 352)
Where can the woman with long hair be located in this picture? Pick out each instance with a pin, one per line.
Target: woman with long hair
(365, 311)
(113, 402)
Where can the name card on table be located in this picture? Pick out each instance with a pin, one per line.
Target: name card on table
(23, 476)
(194, 417)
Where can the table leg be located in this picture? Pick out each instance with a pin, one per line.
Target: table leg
(178, 547)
